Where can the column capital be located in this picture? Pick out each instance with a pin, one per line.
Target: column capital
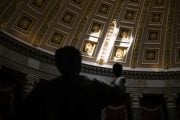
(171, 105)
(135, 99)
(31, 76)
(170, 96)
(135, 96)
(170, 100)
(29, 83)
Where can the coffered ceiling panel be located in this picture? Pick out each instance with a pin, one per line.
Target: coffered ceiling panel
(38, 5)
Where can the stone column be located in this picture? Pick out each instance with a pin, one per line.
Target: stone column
(135, 99)
(30, 82)
(171, 106)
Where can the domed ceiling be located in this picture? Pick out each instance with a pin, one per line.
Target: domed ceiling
(136, 33)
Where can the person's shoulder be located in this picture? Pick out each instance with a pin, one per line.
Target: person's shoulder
(84, 77)
(48, 84)
(85, 80)
(95, 83)
(120, 78)
(90, 82)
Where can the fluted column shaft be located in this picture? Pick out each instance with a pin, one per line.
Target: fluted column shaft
(171, 106)
(135, 99)
(30, 81)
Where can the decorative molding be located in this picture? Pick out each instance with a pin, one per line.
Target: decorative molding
(140, 30)
(83, 22)
(104, 9)
(153, 36)
(130, 15)
(57, 38)
(46, 24)
(30, 51)
(118, 10)
(77, 3)
(25, 49)
(30, 82)
(9, 12)
(169, 34)
(156, 18)
(135, 99)
(38, 5)
(134, 2)
(171, 100)
(24, 24)
(68, 18)
(151, 56)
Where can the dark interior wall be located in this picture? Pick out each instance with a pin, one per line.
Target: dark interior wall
(152, 106)
(11, 84)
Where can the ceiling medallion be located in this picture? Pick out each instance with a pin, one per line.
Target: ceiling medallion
(150, 55)
(38, 3)
(129, 15)
(67, 17)
(24, 23)
(103, 9)
(153, 35)
(156, 17)
(57, 38)
(95, 27)
(159, 2)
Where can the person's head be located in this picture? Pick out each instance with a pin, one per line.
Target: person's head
(68, 60)
(117, 69)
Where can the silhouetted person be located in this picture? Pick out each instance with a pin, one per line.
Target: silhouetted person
(70, 96)
(118, 79)
(117, 72)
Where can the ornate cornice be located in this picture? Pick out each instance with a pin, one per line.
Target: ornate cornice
(24, 49)
(31, 51)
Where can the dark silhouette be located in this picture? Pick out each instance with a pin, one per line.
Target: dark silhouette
(117, 69)
(70, 96)
(118, 79)
(117, 72)
(10, 93)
